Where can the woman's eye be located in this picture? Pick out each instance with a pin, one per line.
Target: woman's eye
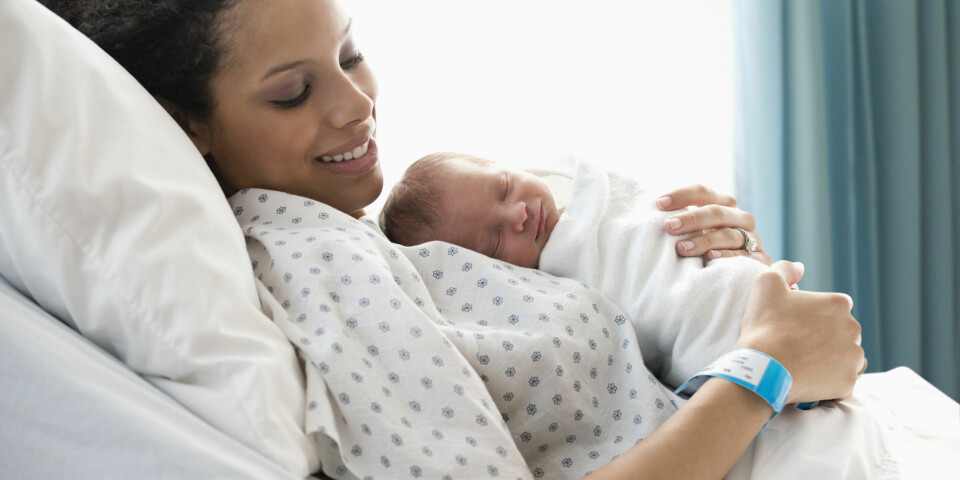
(352, 62)
(293, 102)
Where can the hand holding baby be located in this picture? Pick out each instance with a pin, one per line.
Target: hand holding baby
(812, 334)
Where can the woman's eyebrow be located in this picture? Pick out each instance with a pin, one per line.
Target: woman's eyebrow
(346, 30)
(290, 66)
(282, 68)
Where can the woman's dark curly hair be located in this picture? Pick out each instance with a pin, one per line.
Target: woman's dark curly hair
(172, 47)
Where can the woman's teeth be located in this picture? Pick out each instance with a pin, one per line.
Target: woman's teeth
(355, 153)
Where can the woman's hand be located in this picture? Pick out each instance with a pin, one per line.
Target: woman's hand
(717, 221)
(812, 334)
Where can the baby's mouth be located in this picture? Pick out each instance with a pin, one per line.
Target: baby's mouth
(541, 223)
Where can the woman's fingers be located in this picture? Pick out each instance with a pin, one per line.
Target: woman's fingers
(694, 196)
(813, 334)
(720, 239)
(719, 236)
(709, 217)
(790, 272)
(721, 243)
(759, 255)
(715, 223)
(726, 243)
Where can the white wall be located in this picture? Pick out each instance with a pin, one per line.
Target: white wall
(644, 86)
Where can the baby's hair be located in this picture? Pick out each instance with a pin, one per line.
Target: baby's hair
(412, 209)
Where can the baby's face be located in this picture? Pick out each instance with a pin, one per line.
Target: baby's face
(503, 213)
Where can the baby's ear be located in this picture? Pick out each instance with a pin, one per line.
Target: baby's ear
(198, 131)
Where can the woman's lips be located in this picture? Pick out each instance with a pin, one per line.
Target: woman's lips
(357, 159)
(350, 153)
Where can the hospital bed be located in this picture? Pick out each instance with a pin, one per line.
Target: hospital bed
(70, 410)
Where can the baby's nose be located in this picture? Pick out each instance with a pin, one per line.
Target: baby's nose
(518, 216)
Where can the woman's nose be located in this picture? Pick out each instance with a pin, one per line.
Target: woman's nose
(517, 216)
(347, 103)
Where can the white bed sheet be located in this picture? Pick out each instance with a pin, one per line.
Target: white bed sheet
(68, 410)
(896, 426)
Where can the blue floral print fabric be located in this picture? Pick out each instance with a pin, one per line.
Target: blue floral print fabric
(435, 361)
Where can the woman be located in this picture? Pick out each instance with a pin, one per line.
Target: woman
(276, 95)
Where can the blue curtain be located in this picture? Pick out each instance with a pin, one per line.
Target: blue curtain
(848, 154)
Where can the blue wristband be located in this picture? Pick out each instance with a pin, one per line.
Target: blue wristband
(753, 370)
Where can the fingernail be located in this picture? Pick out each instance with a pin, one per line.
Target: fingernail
(686, 246)
(664, 201)
(673, 223)
(712, 254)
(794, 287)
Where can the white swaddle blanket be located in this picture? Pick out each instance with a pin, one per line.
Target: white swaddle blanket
(611, 236)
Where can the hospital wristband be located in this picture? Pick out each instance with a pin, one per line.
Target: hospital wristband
(753, 370)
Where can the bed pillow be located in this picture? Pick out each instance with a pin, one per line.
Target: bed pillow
(112, 222)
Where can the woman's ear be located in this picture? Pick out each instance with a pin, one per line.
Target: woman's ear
(198, 131)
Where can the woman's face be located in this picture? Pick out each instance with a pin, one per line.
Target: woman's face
(295, 105)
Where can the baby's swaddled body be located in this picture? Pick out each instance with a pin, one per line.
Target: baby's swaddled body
(611, 236)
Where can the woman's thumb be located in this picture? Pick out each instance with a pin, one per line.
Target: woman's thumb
(791, 272)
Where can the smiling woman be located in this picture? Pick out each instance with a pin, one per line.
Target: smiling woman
(320, 140)
(644, 87)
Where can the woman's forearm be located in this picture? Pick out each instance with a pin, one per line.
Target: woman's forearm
(702, 440)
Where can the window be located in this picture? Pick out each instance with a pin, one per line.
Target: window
(644, 87)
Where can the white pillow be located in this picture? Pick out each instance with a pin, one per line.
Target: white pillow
(112, 222)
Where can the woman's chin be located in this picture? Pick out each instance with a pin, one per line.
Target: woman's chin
(369, 191)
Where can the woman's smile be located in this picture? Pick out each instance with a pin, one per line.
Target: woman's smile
(349, 154)
(359, 159)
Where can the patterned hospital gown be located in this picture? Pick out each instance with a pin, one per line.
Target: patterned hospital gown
(435, 361)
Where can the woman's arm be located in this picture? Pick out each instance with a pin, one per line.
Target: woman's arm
(717, 220)
(811, 334)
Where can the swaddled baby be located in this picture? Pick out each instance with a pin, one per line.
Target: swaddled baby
(608, 235)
